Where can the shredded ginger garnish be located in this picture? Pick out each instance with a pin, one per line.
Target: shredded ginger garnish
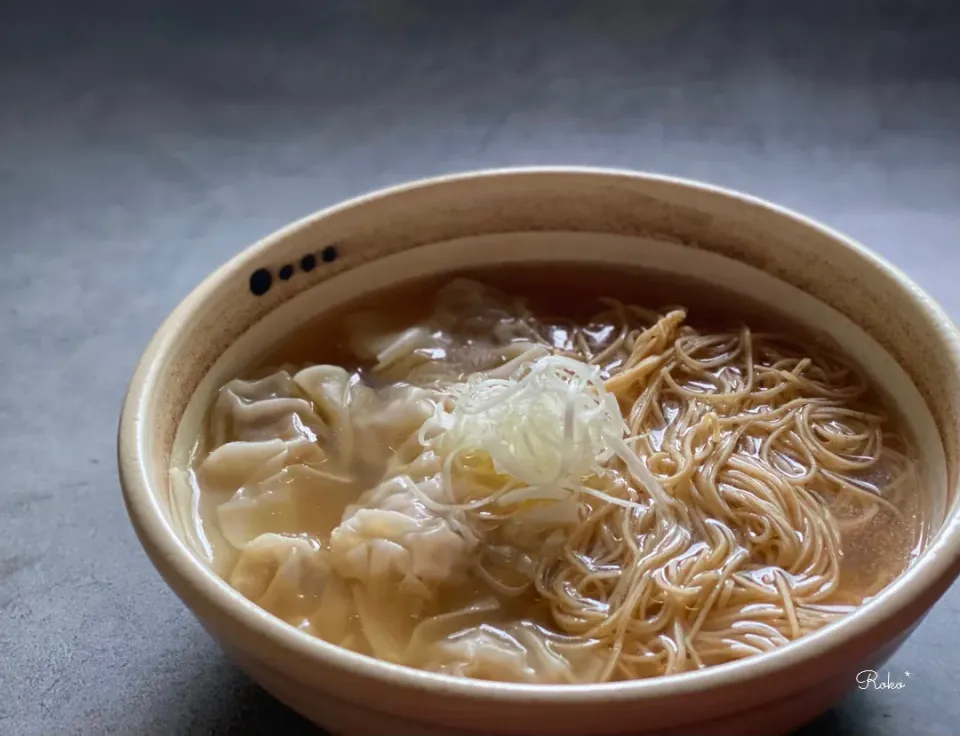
(549, 427)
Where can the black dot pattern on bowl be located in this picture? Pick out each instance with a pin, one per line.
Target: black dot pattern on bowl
(329, 254)
(285, 272)
(308, 262)
(260, 282)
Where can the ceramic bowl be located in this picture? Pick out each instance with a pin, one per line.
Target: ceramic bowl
(817, 276)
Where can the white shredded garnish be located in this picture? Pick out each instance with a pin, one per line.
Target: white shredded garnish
(550, 426)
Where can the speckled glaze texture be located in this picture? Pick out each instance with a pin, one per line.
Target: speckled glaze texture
(353, 695)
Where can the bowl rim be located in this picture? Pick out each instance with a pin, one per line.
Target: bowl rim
(938, 562)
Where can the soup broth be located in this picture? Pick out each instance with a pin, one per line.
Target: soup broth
(549, 474)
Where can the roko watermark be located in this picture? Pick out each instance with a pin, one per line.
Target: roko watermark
(870, 680)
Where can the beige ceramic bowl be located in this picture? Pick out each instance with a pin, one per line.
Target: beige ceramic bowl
(816, 275)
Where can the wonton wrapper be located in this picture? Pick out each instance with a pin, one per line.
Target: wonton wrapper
(391, 536)
(298, 499)
(266, 409)
(516, 652)
(283, 574)
(433, 353)
(235, 464)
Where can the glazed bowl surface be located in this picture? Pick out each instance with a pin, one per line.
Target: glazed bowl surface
(817, 277)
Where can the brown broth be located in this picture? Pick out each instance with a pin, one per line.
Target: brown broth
(565, 290)
(873, 554)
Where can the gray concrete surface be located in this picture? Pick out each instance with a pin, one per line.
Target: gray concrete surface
(141, 144)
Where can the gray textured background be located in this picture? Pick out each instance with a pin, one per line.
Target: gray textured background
(142, 144)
